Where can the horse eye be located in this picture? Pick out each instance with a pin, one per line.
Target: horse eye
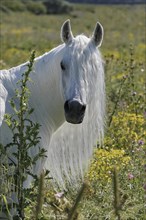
(62, 66)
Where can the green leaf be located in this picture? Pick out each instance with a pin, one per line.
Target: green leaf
(6, 204)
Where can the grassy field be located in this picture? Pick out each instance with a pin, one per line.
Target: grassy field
(117, 176)
(22, 32)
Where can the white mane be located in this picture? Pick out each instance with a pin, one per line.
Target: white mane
(71, 146)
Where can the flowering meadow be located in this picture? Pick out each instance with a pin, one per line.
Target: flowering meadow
(115, 184)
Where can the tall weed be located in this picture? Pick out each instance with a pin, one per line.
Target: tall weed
(18, 166)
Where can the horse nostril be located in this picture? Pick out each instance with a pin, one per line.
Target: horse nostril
(83, 108)
(66, 106)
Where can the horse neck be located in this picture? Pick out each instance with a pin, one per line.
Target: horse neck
(46, 97)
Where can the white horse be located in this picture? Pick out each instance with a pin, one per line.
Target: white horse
(68, 95)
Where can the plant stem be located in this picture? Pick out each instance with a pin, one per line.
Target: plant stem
(40, 197)
(78, 199)
(116, 102)
(116, 194)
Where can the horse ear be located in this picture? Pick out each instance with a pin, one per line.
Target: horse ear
(66, 33)
(97, 36)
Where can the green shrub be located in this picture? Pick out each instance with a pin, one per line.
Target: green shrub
(36, 7)
(126, 131)
(14, 5)
(57, 6)
(103, 164)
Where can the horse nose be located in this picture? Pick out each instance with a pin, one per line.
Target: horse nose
(74, 107)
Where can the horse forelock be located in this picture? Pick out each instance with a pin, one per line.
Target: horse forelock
(84, 60)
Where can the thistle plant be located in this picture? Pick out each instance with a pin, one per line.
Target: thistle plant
(25, 137)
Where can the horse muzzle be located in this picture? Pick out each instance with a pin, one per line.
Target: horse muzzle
(74, 111)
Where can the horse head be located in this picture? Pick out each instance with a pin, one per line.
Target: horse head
(78, 69)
